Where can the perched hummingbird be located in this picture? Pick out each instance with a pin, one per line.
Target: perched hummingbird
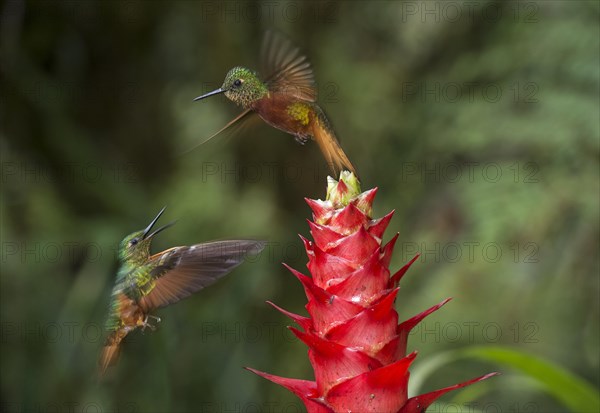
(146, 282)
(285, 98)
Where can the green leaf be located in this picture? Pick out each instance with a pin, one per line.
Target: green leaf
(570, 390)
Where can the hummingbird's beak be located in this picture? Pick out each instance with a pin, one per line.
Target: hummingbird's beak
(149, 227)
(214, 92)
(170, 224)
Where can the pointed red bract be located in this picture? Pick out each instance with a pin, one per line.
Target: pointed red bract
(405, 327)
(378, 226)
(369, 329)
(333, 362)
(304, 389)
(395, 280)
(348, 220)
(356, 347)
(422, 402)
(319, 208)
(304, 322)
(365, 283)
(355, 247)
(387, 250)
(325, 267)
(323, 236)
(378, 391)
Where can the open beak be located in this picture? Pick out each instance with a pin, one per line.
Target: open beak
(147, 233)
(214, 92)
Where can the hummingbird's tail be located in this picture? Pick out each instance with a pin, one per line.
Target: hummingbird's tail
(110, 352)
(334, 154)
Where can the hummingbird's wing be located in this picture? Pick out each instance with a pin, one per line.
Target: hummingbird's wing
(244, 119)
(181, 271)
(286, 70)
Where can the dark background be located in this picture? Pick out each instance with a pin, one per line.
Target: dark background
(478, 121)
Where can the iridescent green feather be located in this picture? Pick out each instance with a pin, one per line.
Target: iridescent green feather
(134, 276)
(243, 86)
(133, 281)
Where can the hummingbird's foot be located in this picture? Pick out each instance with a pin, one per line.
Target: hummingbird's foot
(145, 323)
(301, 139)
(158, 320)
(150, 326)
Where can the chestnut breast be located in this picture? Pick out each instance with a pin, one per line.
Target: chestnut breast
(286, 113)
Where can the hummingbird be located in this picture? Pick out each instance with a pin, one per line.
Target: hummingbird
(286, 98)
(147, 282)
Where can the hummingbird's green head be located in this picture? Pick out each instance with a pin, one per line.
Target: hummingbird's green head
(135, 248)
(241, 86)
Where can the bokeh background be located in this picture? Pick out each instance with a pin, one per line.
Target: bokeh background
(477, 120)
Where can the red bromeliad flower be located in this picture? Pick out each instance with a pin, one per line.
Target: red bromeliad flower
(356, 346)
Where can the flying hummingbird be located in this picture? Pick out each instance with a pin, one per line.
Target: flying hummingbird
(285, 98)
(147, 282)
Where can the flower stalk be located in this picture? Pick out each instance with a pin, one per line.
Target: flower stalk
(356, 344)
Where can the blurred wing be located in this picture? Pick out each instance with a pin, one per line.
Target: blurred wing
(242, 120)
(182, 271)
(286, 69)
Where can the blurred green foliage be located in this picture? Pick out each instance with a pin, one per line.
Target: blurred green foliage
(478, 121)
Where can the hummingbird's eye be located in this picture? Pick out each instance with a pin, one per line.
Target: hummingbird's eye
(133, 242)
(237, 83)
